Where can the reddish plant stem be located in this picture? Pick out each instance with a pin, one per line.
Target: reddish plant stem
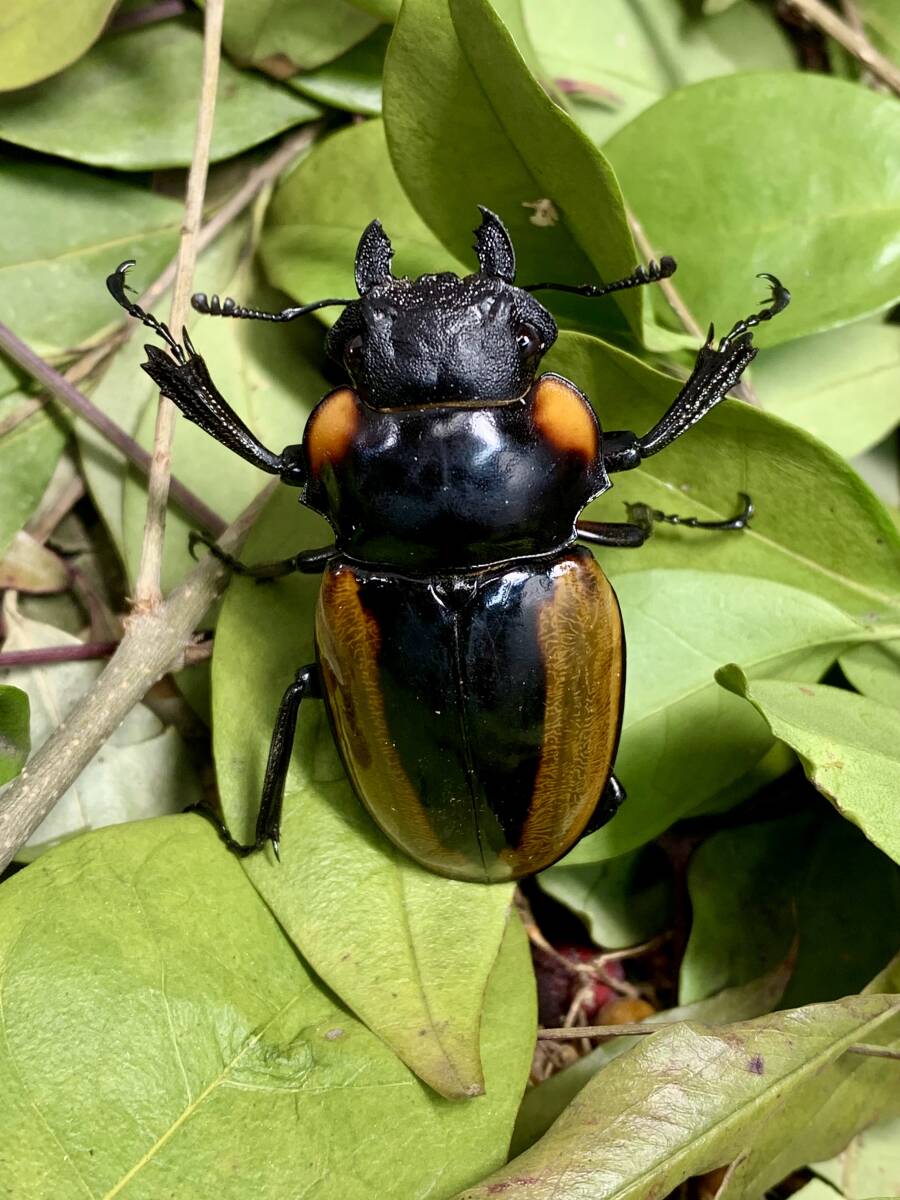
(79, 652)
(75, 400)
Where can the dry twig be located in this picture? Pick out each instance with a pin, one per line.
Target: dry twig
(148, 592)
(155, 643)
(826, 19)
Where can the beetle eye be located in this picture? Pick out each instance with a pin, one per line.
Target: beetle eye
(353, 349)
(528, 341)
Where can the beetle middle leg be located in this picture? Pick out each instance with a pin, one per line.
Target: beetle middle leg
(307, 562)
(306, 686)
(633, 533)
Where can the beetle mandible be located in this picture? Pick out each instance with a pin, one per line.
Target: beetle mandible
(470, 654)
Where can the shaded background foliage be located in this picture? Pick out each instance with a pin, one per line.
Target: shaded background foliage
(345, 1024)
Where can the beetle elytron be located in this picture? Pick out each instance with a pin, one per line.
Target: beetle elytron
(469, 653)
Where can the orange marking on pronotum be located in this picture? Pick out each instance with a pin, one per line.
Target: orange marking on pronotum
(563, 416)
(332, 428)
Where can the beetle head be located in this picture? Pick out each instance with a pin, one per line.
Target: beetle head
(441, 339)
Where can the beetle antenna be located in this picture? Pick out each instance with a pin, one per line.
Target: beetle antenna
(652, 273)
(212, 306)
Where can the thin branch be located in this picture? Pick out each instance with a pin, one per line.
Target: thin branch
(256, 180)
(43, 655)
(744, 389)
(666, 286)
(156, 641)
(826, 19)
(72, 398)
(148, 593)
(629, 1029)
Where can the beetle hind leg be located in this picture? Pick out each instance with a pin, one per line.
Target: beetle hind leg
(306, 685)
(611, 798)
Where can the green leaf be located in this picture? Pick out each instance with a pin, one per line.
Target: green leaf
(842, 386)
(622, 901)
(870, 1165)
(491, 135)
(131, 103)
(144, 769)
(833, 241)
(29, 453)
(809, 875)
(351, 82)
(384, 10)
(692, 1098)
(64, 231)
(849, 746)
(308, 253)
(850, 558)
(408, 951)
(541, 1105)
(875, 671)
(163, 1037)
(40, 39)
(625, 57)
(282, 36)
(15, 738)
(683, 739)
(847, 1101)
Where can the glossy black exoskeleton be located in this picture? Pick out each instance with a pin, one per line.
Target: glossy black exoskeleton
(469, 652)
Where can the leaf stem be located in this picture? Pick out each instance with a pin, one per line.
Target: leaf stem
(148, 592)
(826, 19)
(156, 641)
(72, 398)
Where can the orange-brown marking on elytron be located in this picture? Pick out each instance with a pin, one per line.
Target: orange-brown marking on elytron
(348, 639)
(580, 634)
(332, 428)
(563, 416)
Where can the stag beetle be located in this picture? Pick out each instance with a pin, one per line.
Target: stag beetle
(470, 654)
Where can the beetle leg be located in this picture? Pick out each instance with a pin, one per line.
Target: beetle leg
(307, 562)
(634, 532)
(306, 685)
(183, 376)
(717, 370)
(644, 516)
(611, 798)
(612, 533)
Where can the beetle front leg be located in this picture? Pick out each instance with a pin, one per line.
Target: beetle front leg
(183, 377)
(307, 562)
(716, 371)
(306, 685)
